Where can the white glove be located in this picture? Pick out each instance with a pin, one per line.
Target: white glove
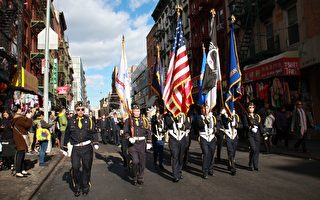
(121, 132)
(210, 114)
(210, 130)
(160, 129)
(149, 146)
(64, 152)
(233, 123)
(179, 125)
(96, 146)
(223, 111)
(132, 140)
(254, 129)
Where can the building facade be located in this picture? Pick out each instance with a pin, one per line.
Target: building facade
(79, 82)
(22, 62)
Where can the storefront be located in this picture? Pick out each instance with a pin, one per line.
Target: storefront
(25, 89)
(275, 80)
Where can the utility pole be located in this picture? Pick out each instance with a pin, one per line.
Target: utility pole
(47, 65)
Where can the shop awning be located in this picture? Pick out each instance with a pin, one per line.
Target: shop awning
(25, 81)
(285, 64)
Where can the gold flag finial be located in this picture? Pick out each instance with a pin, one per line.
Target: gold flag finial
(213, 12)
(158, 50)
(122, 40)
(233, 19)
(203, 47)
(178, 9)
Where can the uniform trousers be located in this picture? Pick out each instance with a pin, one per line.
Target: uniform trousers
(82, 156)
(157, 151)
(177, 148)
(231, 149)
(208, 149)
(254, 141)
(137, 153)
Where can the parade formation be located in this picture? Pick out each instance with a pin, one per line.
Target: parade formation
(217, 117)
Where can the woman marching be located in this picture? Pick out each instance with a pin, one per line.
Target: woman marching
(207, 130)
(254, 128)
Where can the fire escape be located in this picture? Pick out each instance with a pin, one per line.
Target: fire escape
(245, 12)
(37, 25)
(8, 40)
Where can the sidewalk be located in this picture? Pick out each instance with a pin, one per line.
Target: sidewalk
(312, 143)
(24, 188)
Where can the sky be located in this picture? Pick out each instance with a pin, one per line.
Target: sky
(94, 31)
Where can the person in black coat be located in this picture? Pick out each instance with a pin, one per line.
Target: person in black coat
(8, 147)
(103, 128)
(82, 135)
(115, 129)
(254, 128)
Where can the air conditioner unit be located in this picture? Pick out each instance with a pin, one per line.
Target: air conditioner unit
(219, 26)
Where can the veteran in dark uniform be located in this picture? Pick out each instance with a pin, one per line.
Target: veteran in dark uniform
(81, 134)
(178, 128)
(136, 130)
(158, 129)
(207, 125)
(229, 126)
(254, 128)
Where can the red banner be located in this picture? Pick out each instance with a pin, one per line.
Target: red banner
(280, 67)
(63, 89)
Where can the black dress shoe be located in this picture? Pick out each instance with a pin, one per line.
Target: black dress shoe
(181, 177)
(85, 191)
(140, 182)
(77, 193)
(256, 169)
(205, 176)
(176, 180)
(211, 173)
(134, 183)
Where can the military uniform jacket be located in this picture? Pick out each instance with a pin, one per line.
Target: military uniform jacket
(227, 128)
(141, 130)
(75, 135)
(207, 127)
(172, 127)
(251, 121)
(158, 128)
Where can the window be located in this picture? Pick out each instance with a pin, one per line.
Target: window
(293, 28)
(270, 40)
(220, 20)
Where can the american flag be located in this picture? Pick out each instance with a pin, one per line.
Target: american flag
(177, 94)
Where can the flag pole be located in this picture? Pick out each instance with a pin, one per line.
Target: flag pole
(213, 13)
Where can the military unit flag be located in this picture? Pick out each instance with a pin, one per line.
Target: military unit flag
(234, 79)
(122, 83)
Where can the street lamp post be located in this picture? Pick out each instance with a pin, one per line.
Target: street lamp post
(46, 68)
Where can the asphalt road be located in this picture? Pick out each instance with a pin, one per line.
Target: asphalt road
(279, 177)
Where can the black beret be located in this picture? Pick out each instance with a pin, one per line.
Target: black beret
(135, 106)
(79, 104)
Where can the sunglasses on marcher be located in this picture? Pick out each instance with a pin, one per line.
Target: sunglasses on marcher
(80, 109)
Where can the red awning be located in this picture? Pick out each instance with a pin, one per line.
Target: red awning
(286, 64)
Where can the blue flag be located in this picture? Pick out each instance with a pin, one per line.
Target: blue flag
(157, 81)
(202, 97)
(234, 90)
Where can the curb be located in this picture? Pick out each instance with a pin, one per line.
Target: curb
(32, 194)
(305, 156)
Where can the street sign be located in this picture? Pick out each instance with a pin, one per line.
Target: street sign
(53, 39)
